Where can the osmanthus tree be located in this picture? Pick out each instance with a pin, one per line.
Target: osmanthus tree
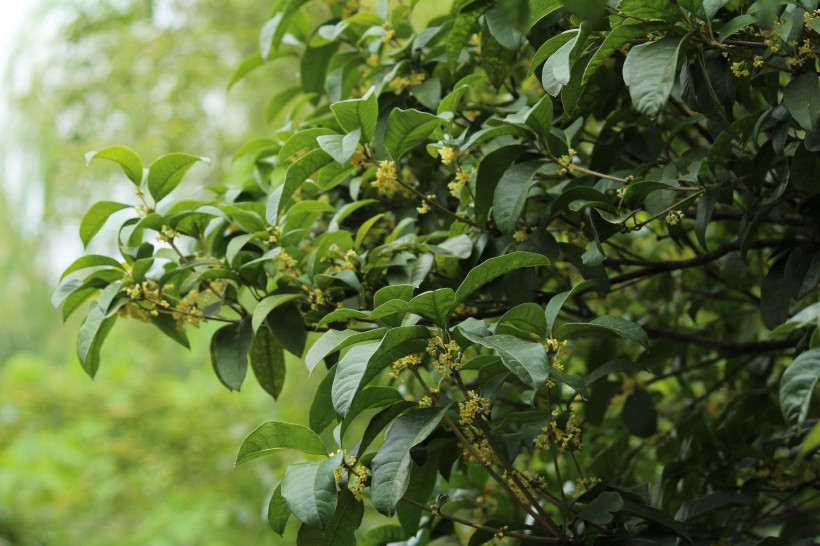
(562, 259)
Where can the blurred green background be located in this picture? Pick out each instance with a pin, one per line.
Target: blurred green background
(144, 454)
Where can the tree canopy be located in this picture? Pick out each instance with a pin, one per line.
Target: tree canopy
(559, 260)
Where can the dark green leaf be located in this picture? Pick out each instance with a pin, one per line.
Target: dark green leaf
(340, 530)
(606, 324)
(600, 510)
(309, 489)
(495, 267)
(511, 194)
(358, 114)
(278, 512)
(406, 129)
(391, 465)
(639, 414)
(268, 362)
(230, 346)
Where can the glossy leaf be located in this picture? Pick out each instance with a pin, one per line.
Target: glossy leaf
(125, 157)
(95, 218)
(309, 489)
(649, 71)
(230, 346)
(166, 172)
(797, 387)
(406, 129)
(391, 465)
(273, 436)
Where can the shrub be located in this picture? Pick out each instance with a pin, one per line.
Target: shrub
(569, 301)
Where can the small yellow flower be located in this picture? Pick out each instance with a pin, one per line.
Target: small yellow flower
(674, 218)
(387, 182)
(521, 235)
(448, 155)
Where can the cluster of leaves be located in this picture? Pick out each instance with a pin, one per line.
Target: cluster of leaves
(487, 255)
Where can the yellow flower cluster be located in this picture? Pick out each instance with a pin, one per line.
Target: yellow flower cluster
(317, 297)
(136, 312)
(387, 182)
(448, 155)
(462, 179)
(473, 406)
(552, 345)
(274, 234)
(425, 402)
(565, 161)
(359, 157)
(425, 205)
(372, 60)
(740, 69)
(481, 446)
(400, 83)
(568, 438)
(167, 234)
(521, 235)
(674, 218)
(447, 356)
(287, 265)
(390, 34)
(358, 481)
(405, 362)
(620, 192)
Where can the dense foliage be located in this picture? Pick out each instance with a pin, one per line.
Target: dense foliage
(579, 305)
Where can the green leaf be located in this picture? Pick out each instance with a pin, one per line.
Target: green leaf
(391, 465)
(639, 414)
(421, 486)
(490, 170)
(92, 260)
(802, 99)
(496, 60)
(658, 517)
(321, 413)
(526, 359)
(511, 194)
(557, 302)
(288, 329)
(92, 334)
(166, 172)
(299, 171)
(527, 318)
(539, 118)
(600, 511)
(649, 71)
(650, 9)
(95, 218)
(369, 398)
(362, 363)
(812, 440)
(450, 102)
(336, 340)
(615, 40)
(406, 129)
(268, 362)
(774, 298)
(309, 489)
(169, 326)
(435, 305)
(710, 504)
(124, 156)
(300, 141)
(557, 69)
(340, 530)
(495, 267)
(541, 8)
(273, 436)
(264, 308)
(230, 346)
(360, 113)
(588, 9)
(797, 387)
(339, 147)
(803, 171)
(549, 48)
(462, 28)
(278, 511)
(616, 365)
(383, 535)
(605, 324)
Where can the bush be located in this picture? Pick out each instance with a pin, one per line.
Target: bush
(569, 302)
